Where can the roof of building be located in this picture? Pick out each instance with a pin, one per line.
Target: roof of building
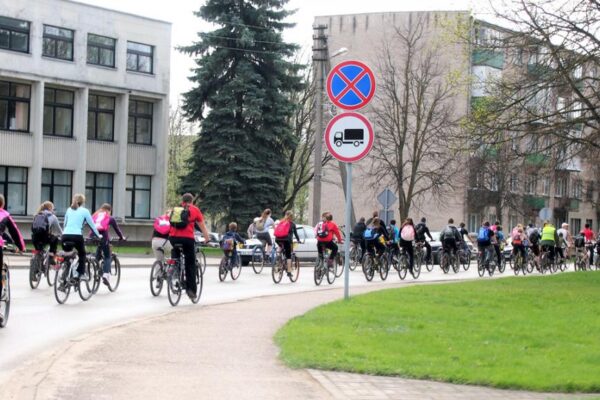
(117, 11)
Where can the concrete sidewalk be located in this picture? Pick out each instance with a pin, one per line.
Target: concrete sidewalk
(223, 351)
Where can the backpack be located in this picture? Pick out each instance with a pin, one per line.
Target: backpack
(484, 234)
(282, 230)
(516, 237)
(420, 231)
(180, 217)
(579, 241)
(323, 230)
(448, 233)
(407, 233)
(228, 243)
(41, 223)
(260, 225)
(101, 220)
(370, 233)
(534, 237)
(162, 225)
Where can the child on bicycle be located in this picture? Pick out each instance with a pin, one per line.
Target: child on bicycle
(103, 221)
(230, 241)
(325, 231)
(46, 230)
(7, 224)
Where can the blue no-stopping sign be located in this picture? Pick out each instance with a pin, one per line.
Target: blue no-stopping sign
(351, 85)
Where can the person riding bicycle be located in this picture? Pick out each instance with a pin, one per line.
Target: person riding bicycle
(285, 231)
(45, 230)
(533, 235)
(421, 231)
(325, 231)
(499, 242)
(104, 221)
(394, 236)
(262, 227)
(484, 240)
(183, 220)
(549, 239)
(75, 219)
(9, 228)
(450, 238)
(568, 240)
(588, 234)
(358, 235)
(230, 241)
(464, 236)
(408, 234)
(372, 236)
(160, 236)
(518, 241)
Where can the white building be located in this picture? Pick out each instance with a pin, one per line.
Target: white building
(83, 109)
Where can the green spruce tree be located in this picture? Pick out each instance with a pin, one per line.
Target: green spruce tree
(240, 97)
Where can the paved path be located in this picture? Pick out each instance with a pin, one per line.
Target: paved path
(222, 351)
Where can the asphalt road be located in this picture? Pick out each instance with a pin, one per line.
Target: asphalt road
(37, 321)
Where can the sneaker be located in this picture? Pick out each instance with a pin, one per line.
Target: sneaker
(51, 260)
(105, 278)
(289, 274)
(191, 294)
(84, 277)
(75, 274)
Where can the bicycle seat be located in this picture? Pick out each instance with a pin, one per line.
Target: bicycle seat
(178, 246)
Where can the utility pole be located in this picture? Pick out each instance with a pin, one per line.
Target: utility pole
(320, 58)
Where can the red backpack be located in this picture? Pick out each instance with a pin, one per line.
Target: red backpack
(162, 225)
(101, 220)
(282, 230)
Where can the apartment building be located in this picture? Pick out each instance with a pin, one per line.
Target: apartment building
(83, 109)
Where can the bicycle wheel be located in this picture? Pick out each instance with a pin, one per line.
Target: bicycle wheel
(403, 267)
(502, 265)
(330, 271)
(156, 278)
(258, 259)
(277, 270)
(86, 288)
(5, 297)
(517, 265)
(174, 288)
(480, 268)
(368, 268)
(96, 275)
(553, 265)
(455, 265)
(444, 263)
(51, 272)
(318, 272)
(115, 274)
(339, 265)
(236, 268)
(353, 258)
(199, 281)
(491, 268)
(295, 269)
(201, 259)
(35, 271)
(62, 286)
(223, 269)
(416, 271)
(384, 268)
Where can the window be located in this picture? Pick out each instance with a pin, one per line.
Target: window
(14, 34)
(473, 223)
(140, 57)
(590, 223)
(14, 106)
(575, 226)
(101, 118)
(58, 112)
(13, 185)
(57, 187)
(576, 189)
(514, 183)
(589, 193)
(138, 196)
(561, 187)
(493, 182)
(546, 186)
(98, 189)
(58, 43)
(140, 122)
(101, 50)
(531, 184)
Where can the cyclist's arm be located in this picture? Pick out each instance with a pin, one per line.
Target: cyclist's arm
(90, 222)
(113, 222)
(426, 232)
(238, 238)
(204, 231)
(295, 232)
(337, 234)
(54, 225)
(14, 233)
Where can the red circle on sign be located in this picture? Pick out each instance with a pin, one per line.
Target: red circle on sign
(366, 151)
(350, 85)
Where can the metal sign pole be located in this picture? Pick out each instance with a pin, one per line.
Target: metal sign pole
(347, 230)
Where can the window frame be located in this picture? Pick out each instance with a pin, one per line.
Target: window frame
(136, 115)
(57, 38)
(100, 46)
(12, 29)
(92, 201)
(13, 99)
(5, 182)
(56, 105)
(139, 53)
(97, 110)
(133, 189)
(52, 185)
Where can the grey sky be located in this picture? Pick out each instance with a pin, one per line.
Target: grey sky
(186, 25)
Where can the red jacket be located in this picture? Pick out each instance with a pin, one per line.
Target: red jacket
(333, 230)
(588, 234)
(188, 232)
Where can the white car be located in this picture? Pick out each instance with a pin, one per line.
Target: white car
(212, 242)
(306, 250)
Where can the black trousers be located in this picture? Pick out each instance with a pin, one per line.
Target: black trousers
(189, 252)
(327, 245)
(79, 245)
(42, 239)
(408, 248)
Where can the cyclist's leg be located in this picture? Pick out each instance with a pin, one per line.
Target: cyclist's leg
(334, 249)
(498, 254)
(320, 246)
(189, 251)
(287, 249)
(53, 242)
(159, 248)
(428, 247)
(1, 266)
(408, 248)
(105, 248)
(80, 246)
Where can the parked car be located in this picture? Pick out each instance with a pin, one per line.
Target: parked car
(436, 247)
(305, 251)
(212, 242)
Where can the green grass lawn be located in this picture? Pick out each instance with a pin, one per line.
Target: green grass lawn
(536, 333)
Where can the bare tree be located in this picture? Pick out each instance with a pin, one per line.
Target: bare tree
(180, 142)
(416, 118)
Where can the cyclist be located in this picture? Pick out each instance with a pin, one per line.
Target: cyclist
(325, 231)
(104, 221)
(423, 230)
(372, 236)
(160, 236)
(230, 241)
(517, 240)
(549, 239)
(464, 233)
(588, 234)
(46, 230)
(285, 231)
(183, 219)
(499, 242)
(75, 218)
(7, 227)
(408, 234)
(534, 240)
(568, 239)
(484, 240)
(450, 238)
(394, 236)
(358, 235)
(262, 227)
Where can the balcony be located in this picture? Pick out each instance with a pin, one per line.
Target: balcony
(534, 202)
(490, 58)
(536, 160)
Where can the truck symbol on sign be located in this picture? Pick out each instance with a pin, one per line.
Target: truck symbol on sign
(349, 136)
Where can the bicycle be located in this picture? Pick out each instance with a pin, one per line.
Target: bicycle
(561, 262)
(581, 259)
(158, 274)
(546, 262)
(280, 265)
(5, 292)
(40, 265)
(176, 278)
(260, 258)
(374, 262)
(447, 260)
(403, 263)
(519, 263)
(230, 266)
(486, 260)
(65, 280)
(324, 268)
(502, 263)
(464, 256)
(356, 254)
(97, 262)
(421, 257)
